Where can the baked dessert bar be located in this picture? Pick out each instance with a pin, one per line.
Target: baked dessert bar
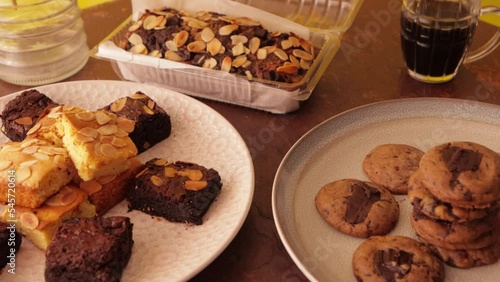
(216, 41)
(97, 142)
(179, 192)
(152, 123)
(40, 224)
(107, 191)
(38, 169)
(21, 113)
(101, 253)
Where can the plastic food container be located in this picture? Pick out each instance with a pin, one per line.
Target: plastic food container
(321, 22)
(41, 41)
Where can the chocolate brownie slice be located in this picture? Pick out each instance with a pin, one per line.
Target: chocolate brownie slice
(10, 240)
(179, 192)
(89, 249)
(152, 123)
(21, 113)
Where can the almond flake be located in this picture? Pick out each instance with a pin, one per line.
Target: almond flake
(295, 41)
(117, 142)
(270, 49)
(286, 44)
(275, 34)
(171, 46)
(254, 45)
(41, 156)
(238, 49)
(207, 35)
(109, 151)
(29, 220)
(181, 38)
(197, 24)
(210, 63)
(226, 64)
(302, 54)
(83, 139)
(97, 149)
(171, 55)
(170, 172)
(106, 139)
(68, 197)
(135, 26)
(106, 179)
(194, 185)
(138, 95)
(248, 74)
(239, 61)
(118, 105)
(147, 22)
(197, 46)
(28, 163)
(155, 23)
(85, 116)
(235, 39)
(155, 54)
(156, 180)
(90, 187)
(227, 29)
(281, 54)
(108, 129)
(160, 162)
(214, 46)
(194, 174)
(30, 143)
(56, 151)
(135, 39)
(139, 49)
(306, 45)
(304, 64)
(246, 21)
(102, 118)
(23, 173)
(294, 60)
(5, 164)
(88, 131)
(34, 129)
(30, 150)
(290, 69)
(151, 104)
(147, 110)
(121, 133)
(141, 173)
(261, 54)
(24, 121)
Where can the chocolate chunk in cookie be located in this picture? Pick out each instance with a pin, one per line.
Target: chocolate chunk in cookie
(358, 208)
(395, 258)
(390, 165)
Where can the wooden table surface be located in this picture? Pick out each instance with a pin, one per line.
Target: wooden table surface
(368, 68)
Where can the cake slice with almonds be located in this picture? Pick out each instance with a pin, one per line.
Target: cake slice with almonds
(33, 170)
(97, 142)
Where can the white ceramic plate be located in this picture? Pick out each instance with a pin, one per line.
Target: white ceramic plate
(165, 251)
(336, 148)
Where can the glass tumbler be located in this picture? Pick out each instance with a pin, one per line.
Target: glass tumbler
(41, 41)
(436, 35)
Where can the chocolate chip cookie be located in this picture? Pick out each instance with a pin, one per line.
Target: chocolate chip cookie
(475, 234)
(469, 258)
(464, 174)
(390, 165)
(358, 208)
(395, 258)
(424, 202)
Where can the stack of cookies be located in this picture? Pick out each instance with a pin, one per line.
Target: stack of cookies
(455, 196)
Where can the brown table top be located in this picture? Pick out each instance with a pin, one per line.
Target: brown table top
(365, 70)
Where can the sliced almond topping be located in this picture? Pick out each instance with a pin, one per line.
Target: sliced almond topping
(155, 53)
(261, 54)
(41, 156)
(171, 46)
(53, 115)
(141, 173)
(4, 164)
(295, 41)
(88, 131)
(181, 38)
(28, 163)
(151, 104)
(281, 54)
(24, 121)
(194, 23)
(275, 33)
(246, 21)
(290, 69)
(30, 150)
(102, 118)
(170, 172)
(29, 220)
(239, 61)
(118, 105)
(118, 142)
(214, 46)
(147, 22)
(121, 133)
(254, 45)
(171, 55)
(235, 39)
(304, 64)
(29, 143)
(139, 49)
(23, 173)
(294, 60)
(197, 46)
(248, 74)
(34, 129)
(302, 54)
(286, 44)
(109, 151)
(270, 49)
(56, 151)
(227, 29)
(156, 180)
(108, 129)
(135, 26)
(210, 63)
(226, 64)
(91, 186)
(207, 35)
(194, 174)
(106, 139)
(155, 23)
(238, 49)
(97, 149)
(306, 45)
(147, 110)
(195, 185)
(8, 148)
(106, 179)
(135, 39)
(68, 197)
(246, 65)
(138, 95)
(85, 116)
(160, 162)
(83, 139)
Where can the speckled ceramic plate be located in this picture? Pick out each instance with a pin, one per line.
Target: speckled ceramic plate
(336, 148)
(165, 251)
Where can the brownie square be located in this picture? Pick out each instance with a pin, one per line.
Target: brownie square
(21, 113)
(178, 192)
(10, 240)
(152, 123)
(89, 249)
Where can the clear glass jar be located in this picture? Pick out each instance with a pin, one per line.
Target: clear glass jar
(41, 41)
